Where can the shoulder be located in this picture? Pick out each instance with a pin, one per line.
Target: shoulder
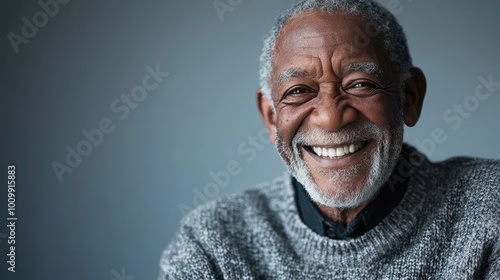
(470, 175)
(474, 174)
(473, 185)
(221, 233)
(475, 165)
(463, 187)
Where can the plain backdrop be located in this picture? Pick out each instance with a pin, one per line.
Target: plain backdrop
(118, 208)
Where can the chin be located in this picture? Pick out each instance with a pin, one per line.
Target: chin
(347, 182)
(342, 194)
(352, 186)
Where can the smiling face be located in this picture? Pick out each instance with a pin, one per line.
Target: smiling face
(338, 111)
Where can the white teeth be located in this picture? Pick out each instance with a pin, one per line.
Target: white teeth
(352, 148)
(331, 152)
(318, 151)
(337, 152)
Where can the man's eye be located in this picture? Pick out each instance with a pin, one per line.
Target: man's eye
(362, 88)
(298, 95)
(299, 91)
(361, 84)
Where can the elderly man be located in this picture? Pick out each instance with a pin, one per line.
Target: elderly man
(337, 86)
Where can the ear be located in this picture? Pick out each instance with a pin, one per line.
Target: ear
(415, 90)
(267, 114)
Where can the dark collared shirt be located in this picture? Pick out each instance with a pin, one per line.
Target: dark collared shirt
(388, 198)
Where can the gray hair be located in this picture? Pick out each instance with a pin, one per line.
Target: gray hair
(382, 20)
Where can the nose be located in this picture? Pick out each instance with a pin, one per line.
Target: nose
(332, 111)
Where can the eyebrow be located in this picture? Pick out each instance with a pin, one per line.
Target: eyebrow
(293, 73)
(369, 68)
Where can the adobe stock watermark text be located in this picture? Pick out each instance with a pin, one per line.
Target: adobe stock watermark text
(121, 108)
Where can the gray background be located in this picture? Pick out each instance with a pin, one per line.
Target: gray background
(121, 205)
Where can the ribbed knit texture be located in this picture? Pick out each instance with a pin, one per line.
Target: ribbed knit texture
(447, 226)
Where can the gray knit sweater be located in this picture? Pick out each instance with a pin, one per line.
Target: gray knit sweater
(447, 226)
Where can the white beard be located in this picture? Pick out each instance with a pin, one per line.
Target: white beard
(380, 164)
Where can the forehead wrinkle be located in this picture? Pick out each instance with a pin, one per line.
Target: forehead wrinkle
(298, 66)
(348, 58)
(321, 35)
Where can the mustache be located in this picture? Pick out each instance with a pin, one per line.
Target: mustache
(347, 134)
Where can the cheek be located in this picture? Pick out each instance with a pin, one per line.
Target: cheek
(289, 121)
(379, 109)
